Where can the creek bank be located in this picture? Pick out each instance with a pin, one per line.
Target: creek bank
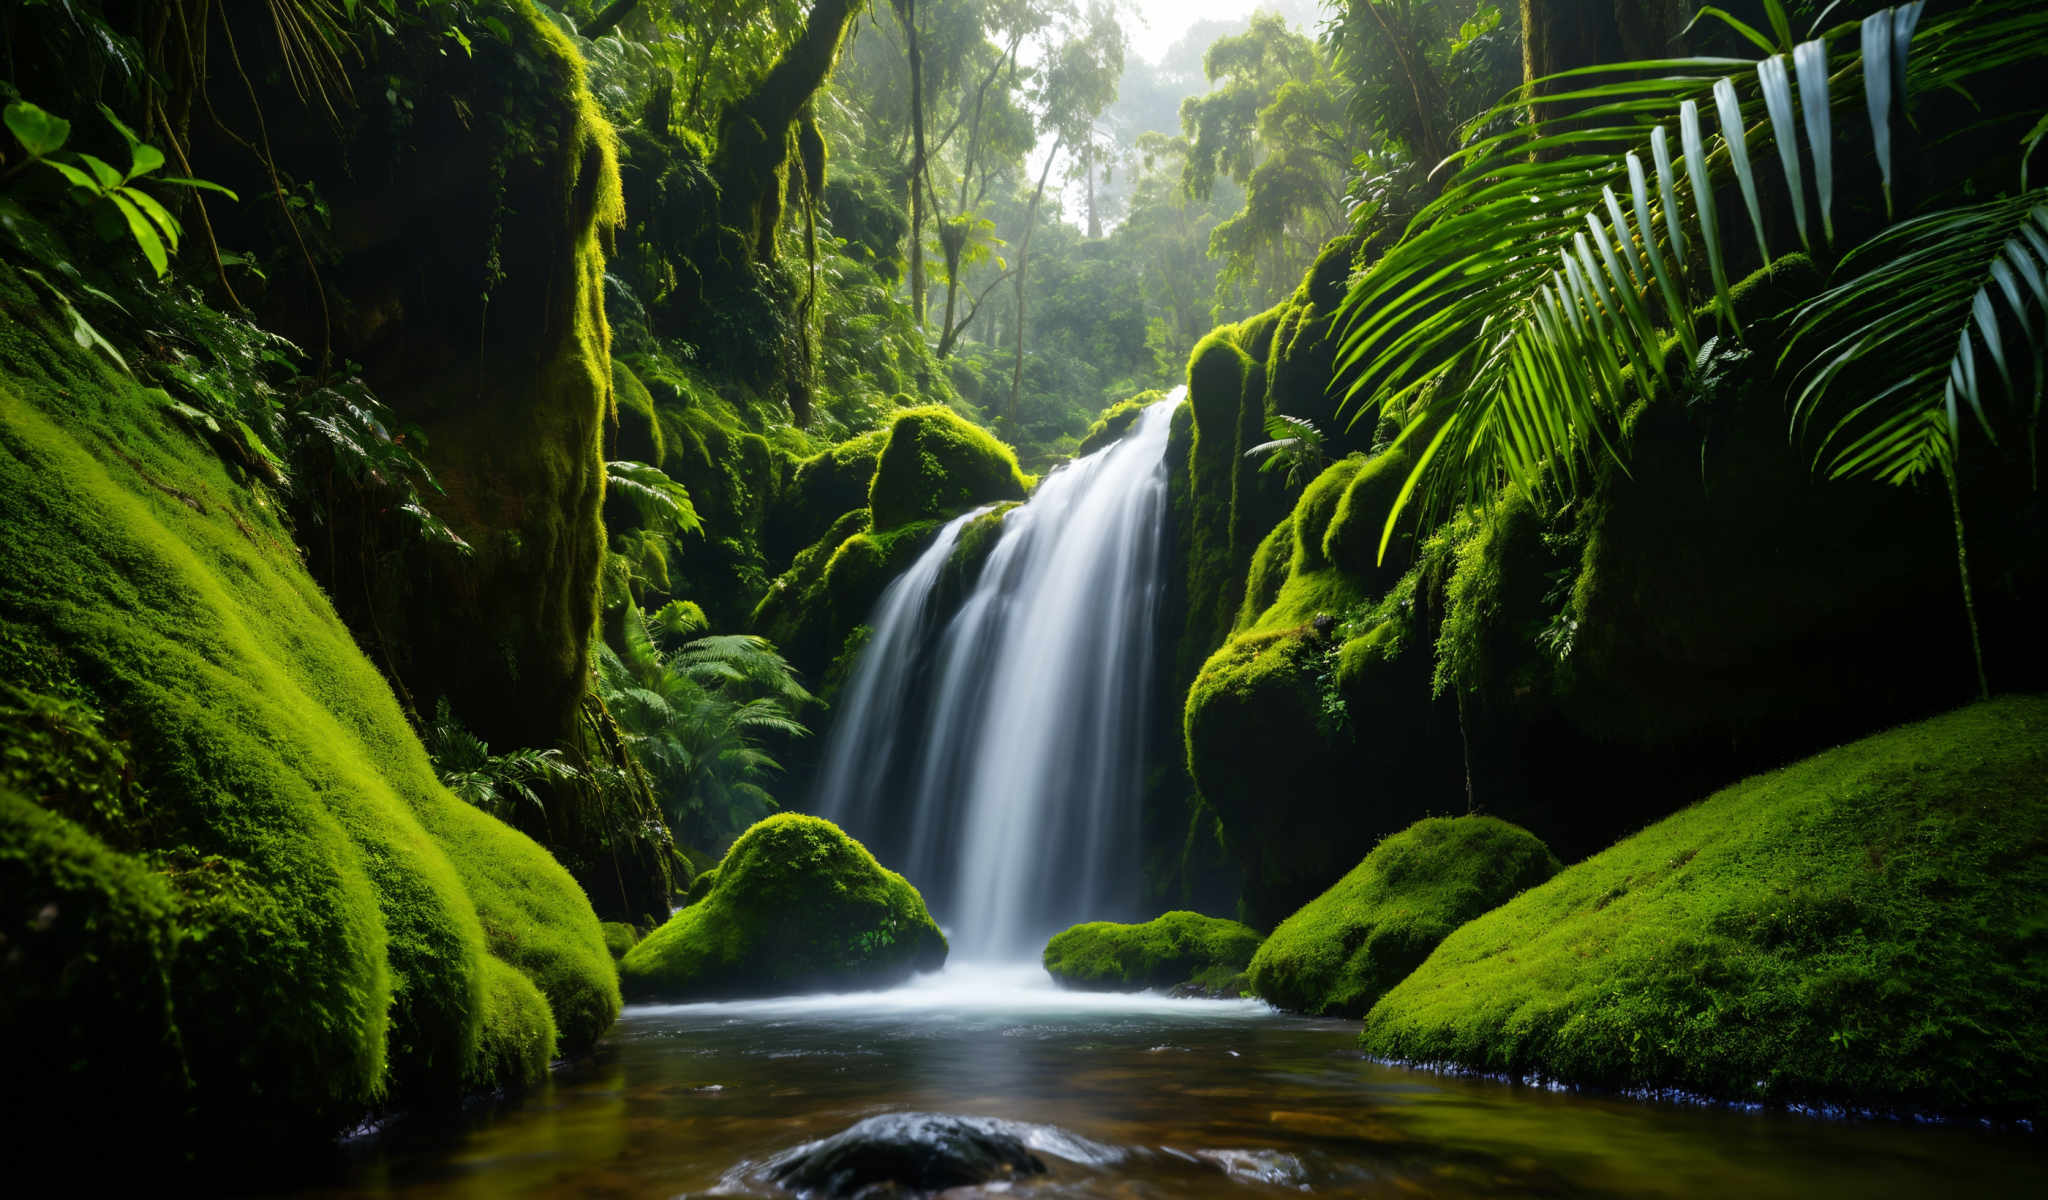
(1861, 928)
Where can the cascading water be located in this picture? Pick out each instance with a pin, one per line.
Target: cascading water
(999, 757)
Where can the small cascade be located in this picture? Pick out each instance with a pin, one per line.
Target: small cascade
(998, 759)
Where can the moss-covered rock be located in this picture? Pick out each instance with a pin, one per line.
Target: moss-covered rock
(1345, 948)
(1115, 421)
(620, 937)
(833, 481)
(1206, 954)
(1863, 927)
(832, 586)
(295, 895)
(798, 906)
(934, 464)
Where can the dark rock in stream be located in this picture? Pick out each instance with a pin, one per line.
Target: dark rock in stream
(908, 1154)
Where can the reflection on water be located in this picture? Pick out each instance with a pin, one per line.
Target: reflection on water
(1196, 1098)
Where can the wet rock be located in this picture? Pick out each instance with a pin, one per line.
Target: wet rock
(908, 1154)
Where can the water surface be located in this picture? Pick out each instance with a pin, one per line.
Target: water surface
(1158, 1097)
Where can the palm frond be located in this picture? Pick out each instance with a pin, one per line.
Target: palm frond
(1944, 304)
(1545, 278)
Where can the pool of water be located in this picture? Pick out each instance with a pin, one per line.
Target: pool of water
(1140, 1096)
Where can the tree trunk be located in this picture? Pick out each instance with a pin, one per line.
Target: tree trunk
(1564, 35)
(906, 10)
(1024, 251)
(753, 136)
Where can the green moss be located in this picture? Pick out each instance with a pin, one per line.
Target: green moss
(831, 482)
(1269, 572)
(639, 428)
(701, 886)
(1115, 421)
(798, 906)
(1168, 951)
(1314, 511)
(935, 464)
(1352, 541)
(518, 1030)
(1864, 926)
(962, 568)
(336, 907)
(1345, 948)
(619, 937)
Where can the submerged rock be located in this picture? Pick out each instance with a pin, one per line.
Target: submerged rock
(1345, 948)
(1187, 952)
(797, 906)
(908, 1154)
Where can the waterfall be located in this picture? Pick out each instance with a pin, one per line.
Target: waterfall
(997, 759)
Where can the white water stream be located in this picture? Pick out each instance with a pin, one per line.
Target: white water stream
(997, 759)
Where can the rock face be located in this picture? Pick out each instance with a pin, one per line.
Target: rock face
(1861, 927)
(908, 1153)
(1179, 950)
(798, 906)
(1346, 947)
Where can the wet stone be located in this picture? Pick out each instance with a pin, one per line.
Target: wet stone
(907, 1154)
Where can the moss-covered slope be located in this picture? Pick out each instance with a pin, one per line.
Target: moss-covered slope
(1169, 951)
(798, 906)
(1346, 947)
(288, 894)
(1865, 926)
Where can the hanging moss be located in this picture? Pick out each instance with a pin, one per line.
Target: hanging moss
(638, 434)
(1345, 948)
(1862, 927)
(935, 464)
(1173, 951)
(798, 906)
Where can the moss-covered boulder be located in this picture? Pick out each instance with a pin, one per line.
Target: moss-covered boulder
(831, 588)
(798, 907)
(229, 843)
(1176, 950)
(1863, 927)
(935, 463)
(1345, 948)
(619, 937)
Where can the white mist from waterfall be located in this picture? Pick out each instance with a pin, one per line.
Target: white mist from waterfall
(998, 759)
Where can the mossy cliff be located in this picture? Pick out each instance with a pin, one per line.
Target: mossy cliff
(1175, 950)
(1345, 948)
(797, 906)
(240, 906)
(1692, 617)
(495, 167)
(1861, 927)
(930, 464)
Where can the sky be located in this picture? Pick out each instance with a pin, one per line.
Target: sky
(1158, 24)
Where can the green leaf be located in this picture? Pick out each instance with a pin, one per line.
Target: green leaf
(1703, 206)
(1811, 61)
(108, 177)
(127, 134)
(143, 158)
(1734, 133)
(145, 234)
(1777, 85)
(204, 184)
(78, 178)
(40, 133)
(172, 231)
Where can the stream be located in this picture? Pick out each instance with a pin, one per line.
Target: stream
(1131, 1096)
